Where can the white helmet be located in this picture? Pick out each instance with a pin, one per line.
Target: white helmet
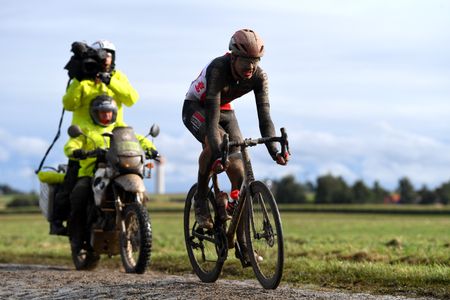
(104, 44)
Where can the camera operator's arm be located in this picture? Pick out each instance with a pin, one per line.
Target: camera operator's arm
(145, 143)
(122, 88)
(72, 98)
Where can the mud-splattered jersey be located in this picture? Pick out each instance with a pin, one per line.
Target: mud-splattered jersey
(216, 88)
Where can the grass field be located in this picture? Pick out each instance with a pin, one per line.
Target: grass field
(397, 254)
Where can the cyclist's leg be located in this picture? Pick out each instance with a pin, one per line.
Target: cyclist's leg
(202, 213)
(235, 169)
(236, 174)
(194, 120)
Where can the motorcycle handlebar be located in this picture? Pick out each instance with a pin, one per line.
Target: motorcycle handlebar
(96, 152)
(100, 152)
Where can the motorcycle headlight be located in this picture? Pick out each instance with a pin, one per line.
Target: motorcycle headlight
(129, 161)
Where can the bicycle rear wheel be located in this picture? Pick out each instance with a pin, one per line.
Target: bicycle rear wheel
(264, 235)
(207, 249)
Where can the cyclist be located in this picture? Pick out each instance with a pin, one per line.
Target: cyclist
(77, 99)
(103, 114)
(208, 114)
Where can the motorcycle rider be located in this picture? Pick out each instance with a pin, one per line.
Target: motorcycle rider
(77, 99)
(103, 113)
(208, 114)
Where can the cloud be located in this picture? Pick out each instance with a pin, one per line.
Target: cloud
(26, 146)
(383, 153)
(4, 154)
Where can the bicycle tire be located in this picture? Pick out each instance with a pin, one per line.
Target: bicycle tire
(206, 256)
(264, 235)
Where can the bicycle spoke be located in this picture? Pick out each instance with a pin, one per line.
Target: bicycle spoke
(202, 245)
(264, 233)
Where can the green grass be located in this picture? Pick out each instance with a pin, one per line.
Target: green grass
(397, 254)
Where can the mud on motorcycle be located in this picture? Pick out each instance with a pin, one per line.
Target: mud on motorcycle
(118, 220)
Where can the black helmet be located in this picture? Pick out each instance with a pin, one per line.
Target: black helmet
(103, 103)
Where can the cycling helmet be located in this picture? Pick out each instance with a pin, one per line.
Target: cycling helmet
(105, 45)
(247, 43)
(103, 103)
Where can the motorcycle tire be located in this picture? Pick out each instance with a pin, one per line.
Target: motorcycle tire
(85, 260)
(136, 242)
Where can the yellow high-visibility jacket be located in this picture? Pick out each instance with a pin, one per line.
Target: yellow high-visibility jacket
(80, 94)
(87, 144)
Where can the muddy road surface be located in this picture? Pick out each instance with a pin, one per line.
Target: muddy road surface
(50, 282)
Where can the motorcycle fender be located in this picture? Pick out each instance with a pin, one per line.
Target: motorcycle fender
(131, 183)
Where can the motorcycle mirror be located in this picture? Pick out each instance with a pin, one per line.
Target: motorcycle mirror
(74, 131)
(154, 130)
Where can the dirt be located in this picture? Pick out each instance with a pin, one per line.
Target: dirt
(50, 282)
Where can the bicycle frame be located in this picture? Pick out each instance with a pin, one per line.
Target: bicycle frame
(256, 214)
(248, 177)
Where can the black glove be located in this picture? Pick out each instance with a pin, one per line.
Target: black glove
(152, 154)
(104, 77)
(79, 154)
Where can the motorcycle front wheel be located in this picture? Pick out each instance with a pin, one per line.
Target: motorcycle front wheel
(136, 241)
(85, 260)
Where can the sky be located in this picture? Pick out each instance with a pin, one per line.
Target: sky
(362, 87)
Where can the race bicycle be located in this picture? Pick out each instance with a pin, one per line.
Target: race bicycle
(256, 212)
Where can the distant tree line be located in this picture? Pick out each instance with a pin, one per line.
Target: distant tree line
(329, 189)
(19, 199)
(7, 190)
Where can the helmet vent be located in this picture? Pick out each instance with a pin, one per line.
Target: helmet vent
(243, 47)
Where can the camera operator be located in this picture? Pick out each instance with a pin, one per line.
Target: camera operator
(107, 80)
(92, 72)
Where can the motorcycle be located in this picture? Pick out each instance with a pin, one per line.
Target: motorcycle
(118, 220)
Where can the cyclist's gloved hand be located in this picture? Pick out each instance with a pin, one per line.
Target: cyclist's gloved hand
(282, 159)
(218, 167)
(104, 77)
(79, 154)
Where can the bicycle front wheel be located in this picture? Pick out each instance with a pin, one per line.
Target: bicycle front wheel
(264, 235)
(207, 249)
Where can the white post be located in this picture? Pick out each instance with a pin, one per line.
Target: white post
(159, 182)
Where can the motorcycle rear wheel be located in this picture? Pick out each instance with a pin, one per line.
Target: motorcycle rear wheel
(136, 242)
